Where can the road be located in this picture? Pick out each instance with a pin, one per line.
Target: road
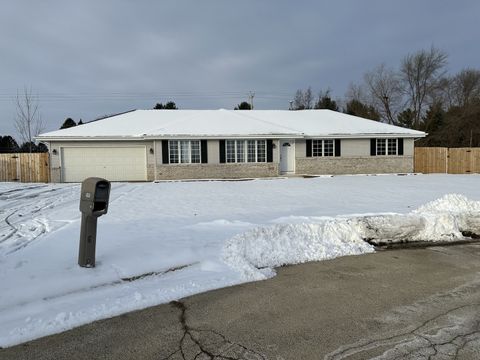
(400, 304)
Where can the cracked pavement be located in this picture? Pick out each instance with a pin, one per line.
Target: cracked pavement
(400, 304)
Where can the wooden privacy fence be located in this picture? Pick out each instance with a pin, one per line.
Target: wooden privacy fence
(447, 160)
(24, 167)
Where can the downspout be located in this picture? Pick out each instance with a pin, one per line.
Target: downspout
(155, 158)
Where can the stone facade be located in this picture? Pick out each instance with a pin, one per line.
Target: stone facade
(354, 165)
(216, 171)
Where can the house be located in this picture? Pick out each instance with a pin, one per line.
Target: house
(147, 145)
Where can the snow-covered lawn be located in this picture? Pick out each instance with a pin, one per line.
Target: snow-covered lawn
(164, 241)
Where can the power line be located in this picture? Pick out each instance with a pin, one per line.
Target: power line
(121, 96)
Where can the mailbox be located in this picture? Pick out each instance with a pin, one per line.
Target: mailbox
(94, 196)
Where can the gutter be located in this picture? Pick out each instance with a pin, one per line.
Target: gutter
(231, 136)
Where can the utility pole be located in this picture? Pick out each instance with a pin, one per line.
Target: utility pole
(251, 95)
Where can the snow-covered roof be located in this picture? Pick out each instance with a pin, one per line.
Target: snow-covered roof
(143, 124)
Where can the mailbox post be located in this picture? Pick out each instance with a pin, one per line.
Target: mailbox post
(94, 198)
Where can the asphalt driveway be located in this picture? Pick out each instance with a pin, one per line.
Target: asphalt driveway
(409, 304)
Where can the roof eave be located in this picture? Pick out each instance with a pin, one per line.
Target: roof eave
(229, 136)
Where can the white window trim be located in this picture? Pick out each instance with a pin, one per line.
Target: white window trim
(245, 151)
(387, 142)
(179, 153)
(323, 148)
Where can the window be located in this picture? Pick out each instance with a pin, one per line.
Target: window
(387, 147)
(173, 151)
(195, 153)
(327, 147)
(261, 151)
(317, 148)
(251, 151)
(230, 145)
(381, 148)
(392, 146)
(323, 148)
(239, 151)
(184, 151)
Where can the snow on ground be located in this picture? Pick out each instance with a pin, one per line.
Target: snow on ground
(164, 241)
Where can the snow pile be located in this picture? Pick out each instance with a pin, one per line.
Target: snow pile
(449, 218)
(452, 217)
(411, 227)
(453, 203)
(255, 253)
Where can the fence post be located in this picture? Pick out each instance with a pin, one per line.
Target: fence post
(447, 156)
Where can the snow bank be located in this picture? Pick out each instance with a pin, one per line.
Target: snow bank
(449, 203)
(255, 253)
(452, 217)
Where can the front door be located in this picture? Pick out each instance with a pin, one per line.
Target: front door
(287, 156)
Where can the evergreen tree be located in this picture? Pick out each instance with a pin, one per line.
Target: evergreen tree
(406, 118)
(35, 148)
(168, 106)
(434, 118)
(171, 106)
(80, 122)
(42, 148)
(28, 147)
(243, 106)
(8, 144)
(68, 123)
(326, 102)
(358, 108)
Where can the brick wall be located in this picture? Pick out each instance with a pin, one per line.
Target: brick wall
(354, 165)
(216, 171)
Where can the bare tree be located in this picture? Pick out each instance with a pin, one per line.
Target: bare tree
(298, 100)
(356, 92)
(308, 98)
(385, 90)
(28, 121)
(465, 87)
(421, 73)
(303, 100)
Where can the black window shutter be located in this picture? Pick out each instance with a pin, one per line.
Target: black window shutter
(269, 150)
(204, 150)
(338, 149)
(165, 156)
(309, 148)
(373, 147)
(400, 147)
(222, 151)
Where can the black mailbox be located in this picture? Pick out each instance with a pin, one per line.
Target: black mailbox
(94, 197)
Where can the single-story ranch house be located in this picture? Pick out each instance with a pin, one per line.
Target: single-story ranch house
(147, 145)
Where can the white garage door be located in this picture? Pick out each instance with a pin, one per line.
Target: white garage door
(111, 163)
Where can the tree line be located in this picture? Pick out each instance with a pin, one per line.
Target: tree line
(9, 145)
(419, 94)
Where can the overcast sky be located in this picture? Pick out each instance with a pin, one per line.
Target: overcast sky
(89, 58)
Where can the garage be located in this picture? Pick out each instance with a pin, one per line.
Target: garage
(112, 163)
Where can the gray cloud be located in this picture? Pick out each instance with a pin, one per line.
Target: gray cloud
(89, 58)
